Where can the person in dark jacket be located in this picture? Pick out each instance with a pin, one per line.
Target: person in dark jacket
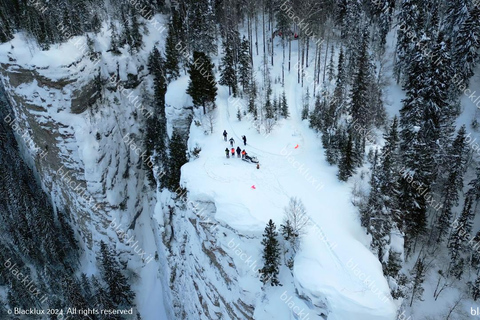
(232, 141)
(227, 153)
(233, 152)
(244, 140)
(238, 152)
(225, 135)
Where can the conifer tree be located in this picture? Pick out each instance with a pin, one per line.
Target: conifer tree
(462, 228)
(454, 183)
(394, 263)
(202, 86)
(201, 26)
(474, 191)
(371, 213)
(284, 106)
(118, 287)
(136, 36)
(176, 159)
(360, 88)
(467, 44)
(476, 289)
(407, 19)
(419, 277)
(331, 67)
(171, 54)
(271, 255)
(228, 75)
(101, 296)
(341, 82)
(346, 167)
(114, 39)
(73, 292)
(245, 64)
(156, 129)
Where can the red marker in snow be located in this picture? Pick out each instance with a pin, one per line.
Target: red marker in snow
(253, 187)
(296, 147)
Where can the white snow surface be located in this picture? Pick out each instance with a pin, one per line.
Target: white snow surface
(330, 267)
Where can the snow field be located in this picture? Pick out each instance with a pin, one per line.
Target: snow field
(321, 266)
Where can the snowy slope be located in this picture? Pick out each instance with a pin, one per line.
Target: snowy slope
(334, 258)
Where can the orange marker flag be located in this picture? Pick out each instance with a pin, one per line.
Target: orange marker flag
(296, 147)
(253, 187)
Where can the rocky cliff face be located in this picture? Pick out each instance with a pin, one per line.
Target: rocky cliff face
(83, 140)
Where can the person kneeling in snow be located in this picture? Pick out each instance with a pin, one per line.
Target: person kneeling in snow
(243, 154)
(232, 141)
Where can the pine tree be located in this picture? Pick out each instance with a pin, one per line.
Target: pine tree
(420, 121)
(6, 33)
(346, 167)
(171, 54)
(419, 277)
(156, 126)
(341, 82)
(101, 297)
(114, 39)
(269, 110)
(73, 292)
(228, 75)
(177, 158)
(474, 191)
(456, 14)
(283, 23)
(463, 227)
(453, 184)
(371, 214)
(136, 37)
(467, 44)
(407, 19)
(201, 26)
(394, 264)
(87, 290)
(202, 86)
(284, 106)
(476, 289)
(361, 81)
(125, 36)
(118, 287)
(331, 67)
(271, 255)
(245, 64)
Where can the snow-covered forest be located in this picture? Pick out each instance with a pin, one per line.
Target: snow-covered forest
(255, 159)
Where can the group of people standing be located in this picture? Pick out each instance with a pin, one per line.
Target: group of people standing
(239, 151)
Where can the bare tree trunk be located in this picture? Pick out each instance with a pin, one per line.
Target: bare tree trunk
(325, 60)
(263, 28)
(289, 52)
(319, 47)
(453, 307)
(315, 71)
(271, 30)
(283, 62)
(298, 58)
(303, 60)
(256, 32)
(306, 56)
